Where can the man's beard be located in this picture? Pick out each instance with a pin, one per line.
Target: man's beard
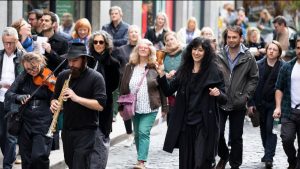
(76, 72)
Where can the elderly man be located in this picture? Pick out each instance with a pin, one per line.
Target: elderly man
(10, 67)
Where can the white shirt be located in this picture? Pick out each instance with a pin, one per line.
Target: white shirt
(295, 83)
(8, 73)
(142, 102)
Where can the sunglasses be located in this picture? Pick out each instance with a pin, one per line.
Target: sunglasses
(101, 42)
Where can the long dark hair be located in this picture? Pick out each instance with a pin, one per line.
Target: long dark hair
(187, 63)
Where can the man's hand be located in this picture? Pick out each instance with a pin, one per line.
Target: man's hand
(54, 105)
(250, 111)
(46, 46)
(277, 113)
(69, 93)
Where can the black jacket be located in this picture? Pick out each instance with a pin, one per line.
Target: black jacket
(150, 35)
(109, 68)
(18, 66)
(122, 54)
(207, 104)
(59, 46)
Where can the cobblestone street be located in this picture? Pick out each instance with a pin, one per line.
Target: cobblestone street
(121, 157)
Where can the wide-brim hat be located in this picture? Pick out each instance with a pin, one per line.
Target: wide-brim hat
(76, 50)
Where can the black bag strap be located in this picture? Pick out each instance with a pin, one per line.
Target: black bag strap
(141, 81)
(297, 106)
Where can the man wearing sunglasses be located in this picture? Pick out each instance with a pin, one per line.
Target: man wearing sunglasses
(10, 67)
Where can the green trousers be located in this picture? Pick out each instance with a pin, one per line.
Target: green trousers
(142, 124)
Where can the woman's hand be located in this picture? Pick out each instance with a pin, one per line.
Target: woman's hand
(160, 69)
(214, 91)
(277, 113)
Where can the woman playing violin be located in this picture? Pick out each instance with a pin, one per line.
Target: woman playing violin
(34, 145)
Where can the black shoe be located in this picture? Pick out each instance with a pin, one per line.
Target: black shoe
(292, 166)
(221, 164)
(268, 164)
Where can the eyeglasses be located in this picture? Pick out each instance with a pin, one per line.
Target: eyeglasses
(9, 43)
(34, 68)
(143, 47)
(96, 42)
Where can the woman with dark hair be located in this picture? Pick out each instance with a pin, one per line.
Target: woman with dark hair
(194, 126)
(264, 99)
(100, 45)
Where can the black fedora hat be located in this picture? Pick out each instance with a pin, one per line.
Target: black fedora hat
(76, 50)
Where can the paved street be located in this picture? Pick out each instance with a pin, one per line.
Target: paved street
(121, 157)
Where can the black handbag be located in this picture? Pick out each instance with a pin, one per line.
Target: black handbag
(14, 119)
(14, 123)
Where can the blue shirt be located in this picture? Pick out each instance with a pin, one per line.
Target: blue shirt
(232, 63)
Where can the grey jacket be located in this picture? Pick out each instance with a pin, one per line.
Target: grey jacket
(240, 84)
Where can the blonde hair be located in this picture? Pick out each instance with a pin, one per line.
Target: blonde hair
(83, 22)
(207, 29)
(134, 57)
(34, 57)
(166, 24)
(267, 13)
(192, 19)
(250, 31)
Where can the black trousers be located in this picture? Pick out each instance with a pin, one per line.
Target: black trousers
(236, 124)
(79, 146)
(34, 148)
(289, 129)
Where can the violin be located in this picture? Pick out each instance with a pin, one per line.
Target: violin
(45, 77)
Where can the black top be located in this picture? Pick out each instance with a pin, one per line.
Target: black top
(37, 112)
(59, 46)
(90, 84)
(122, 55)
(194, 115)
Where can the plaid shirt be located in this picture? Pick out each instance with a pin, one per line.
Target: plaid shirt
(284, 84)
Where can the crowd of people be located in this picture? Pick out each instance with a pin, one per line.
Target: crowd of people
(197, 82)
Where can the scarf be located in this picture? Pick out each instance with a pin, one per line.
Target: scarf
(174, 50)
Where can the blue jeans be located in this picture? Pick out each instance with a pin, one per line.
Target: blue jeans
(142, 125)
(7, 142)
(269, 140)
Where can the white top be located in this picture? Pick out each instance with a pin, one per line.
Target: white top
(8, 73)
(295, 83)
(142, 102)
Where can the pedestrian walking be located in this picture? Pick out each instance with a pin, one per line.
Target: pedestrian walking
(122, 53)
(240, 73)
(100, 46)
(194, 124)
(34, 146)
(263, 101)
(85, 99)
(149, 96)
(287, 98)
(10, 68)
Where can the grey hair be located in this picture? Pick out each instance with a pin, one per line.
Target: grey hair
(116, 8)
(107, 39)
(10, 31)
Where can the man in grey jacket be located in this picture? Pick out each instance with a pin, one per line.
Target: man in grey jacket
(240, 73)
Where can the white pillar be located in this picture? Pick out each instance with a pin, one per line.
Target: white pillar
(137, 13)
(104, 13)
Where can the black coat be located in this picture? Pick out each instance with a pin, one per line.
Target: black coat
(109, 68)
(208, 105)
(150, 35)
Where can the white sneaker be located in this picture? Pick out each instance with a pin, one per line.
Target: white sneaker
(129, 141)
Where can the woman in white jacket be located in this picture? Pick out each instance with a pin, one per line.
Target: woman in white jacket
(186, 34)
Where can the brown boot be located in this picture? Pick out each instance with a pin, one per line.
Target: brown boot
(221, 164)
